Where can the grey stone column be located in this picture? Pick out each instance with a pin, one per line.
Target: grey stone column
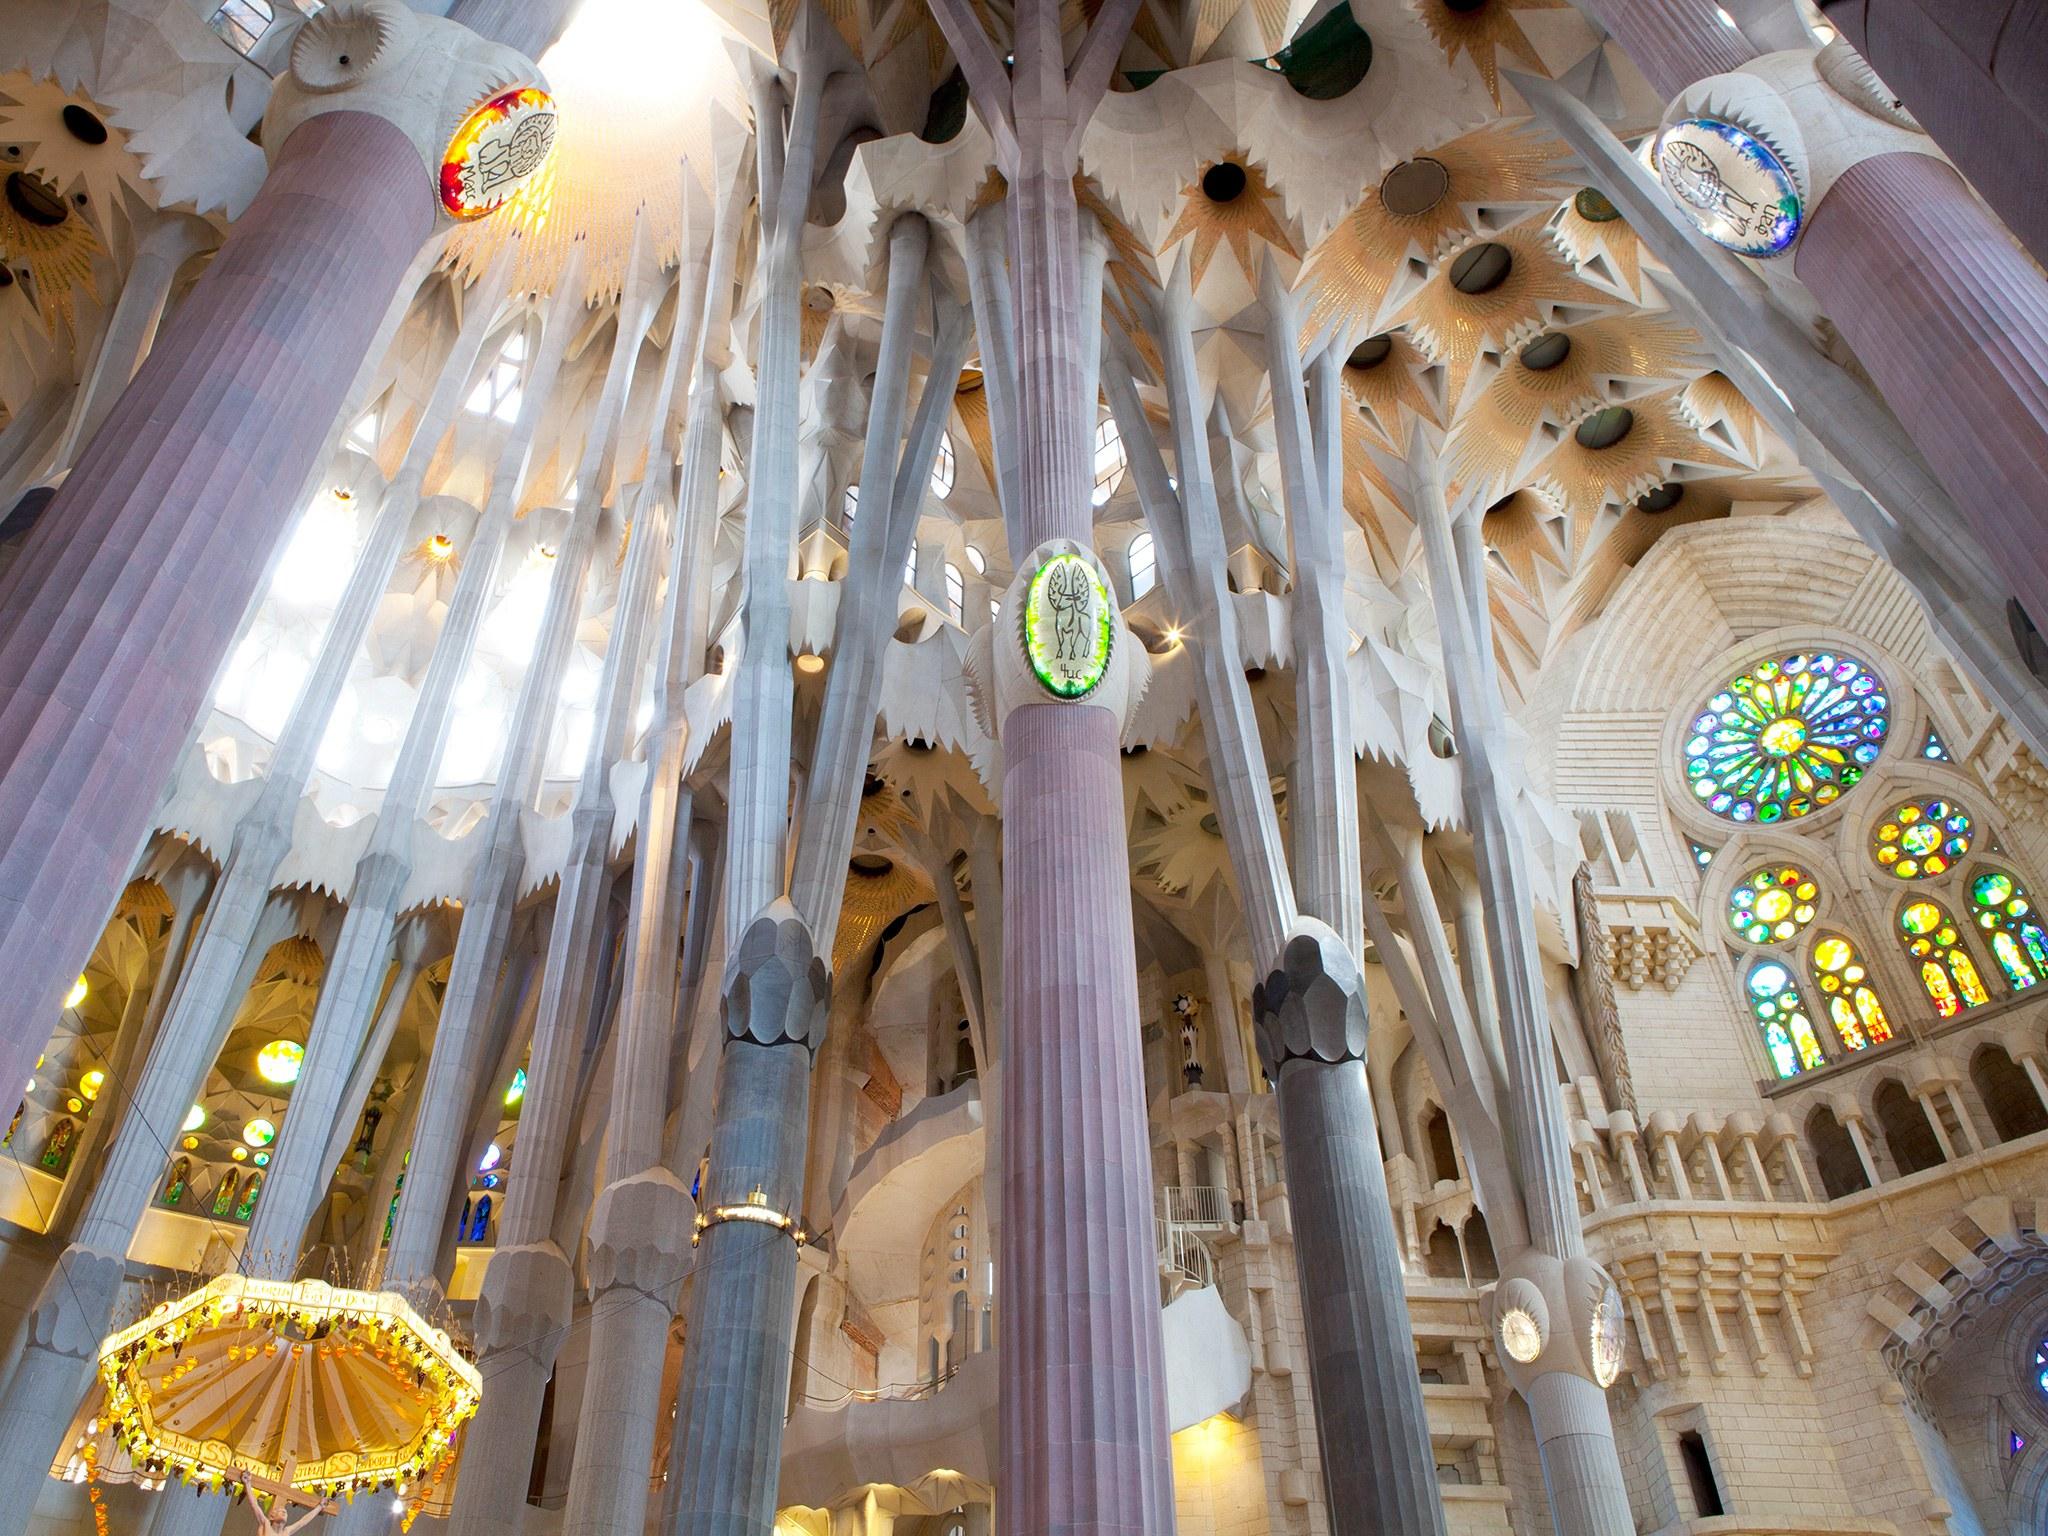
(1371, 1424)
(742, 1327)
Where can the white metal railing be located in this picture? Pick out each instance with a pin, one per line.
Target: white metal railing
(1184, 1259)
(1195, 1205)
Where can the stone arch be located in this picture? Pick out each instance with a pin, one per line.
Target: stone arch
(1441, 1258)
(1834, 1154)
(1908, 1136)
(1439, 1145)
(2009, 1099)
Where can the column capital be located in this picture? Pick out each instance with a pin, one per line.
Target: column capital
(423, 74)
(1312, 1006)
(776, 986)
(640, 1234)
(72, 1309)
(1550, 1316)
(527, 1296)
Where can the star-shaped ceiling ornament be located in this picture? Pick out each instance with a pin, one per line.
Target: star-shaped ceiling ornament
(1380, 252)
(1600, 243)
(1455, 326)
(1482, 33)
(1228, 202)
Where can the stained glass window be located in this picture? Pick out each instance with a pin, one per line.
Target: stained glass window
(2040, 1380)
(1787, 737)
(1852, 1003)
(1772, 905)
(1701, 857)
(1781, 1015)
(1922, 838)
(1934, 749)
(943, 468)
(1946, 969)
(246, 1206)
(2005, 913)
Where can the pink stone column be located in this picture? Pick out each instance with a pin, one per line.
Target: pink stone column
(117, 616)
(1976, 77)
(1085, 1448)
(1084, 1385)
(1673, 42)
(1951, 320)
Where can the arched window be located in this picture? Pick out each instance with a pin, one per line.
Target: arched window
(224, 1193)
(1781, 1015)
(1852, 1003)
(1946, 969)
(363, 434)
(2006, 915)
(246, 1206)
(179, 1181)
(956, 594)
(1144, 563)
(1787, 738)
(499, 391)
(1109, 461)
(978, 560)
(480, 1225)
(944, 469)
(242, 23)
(1920, 839)
(910, 568)
(849, 505)
(1772, 905)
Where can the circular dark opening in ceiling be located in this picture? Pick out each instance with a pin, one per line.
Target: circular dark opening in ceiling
(1414, 187)
(1465, 7)
(1594, 207)
(6, 278)
(1661, 498)
(1223, 182)
(1370, 353)
(35, 200)
(1604, 428)
(1481, 268)
(1546, 352)
(84, 126)
(1211, 825)
(870, 865)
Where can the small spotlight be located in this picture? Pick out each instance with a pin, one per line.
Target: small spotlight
(1173, 635)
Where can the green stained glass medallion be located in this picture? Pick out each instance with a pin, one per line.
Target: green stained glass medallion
(1069, 626)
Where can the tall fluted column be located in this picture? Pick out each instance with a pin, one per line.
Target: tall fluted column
(1370, 1419)
(106, 655)
(1083, 1393)
(1951, 320)
(1976, 87)
(1948, 316)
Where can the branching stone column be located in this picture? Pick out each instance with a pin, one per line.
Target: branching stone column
(355, 974)
(1550, 1292)
(1370, 1418)
(104, 655)
(529, 1287)
(1378, 1469)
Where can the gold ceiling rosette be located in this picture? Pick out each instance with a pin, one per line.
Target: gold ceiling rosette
(302, 1390)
